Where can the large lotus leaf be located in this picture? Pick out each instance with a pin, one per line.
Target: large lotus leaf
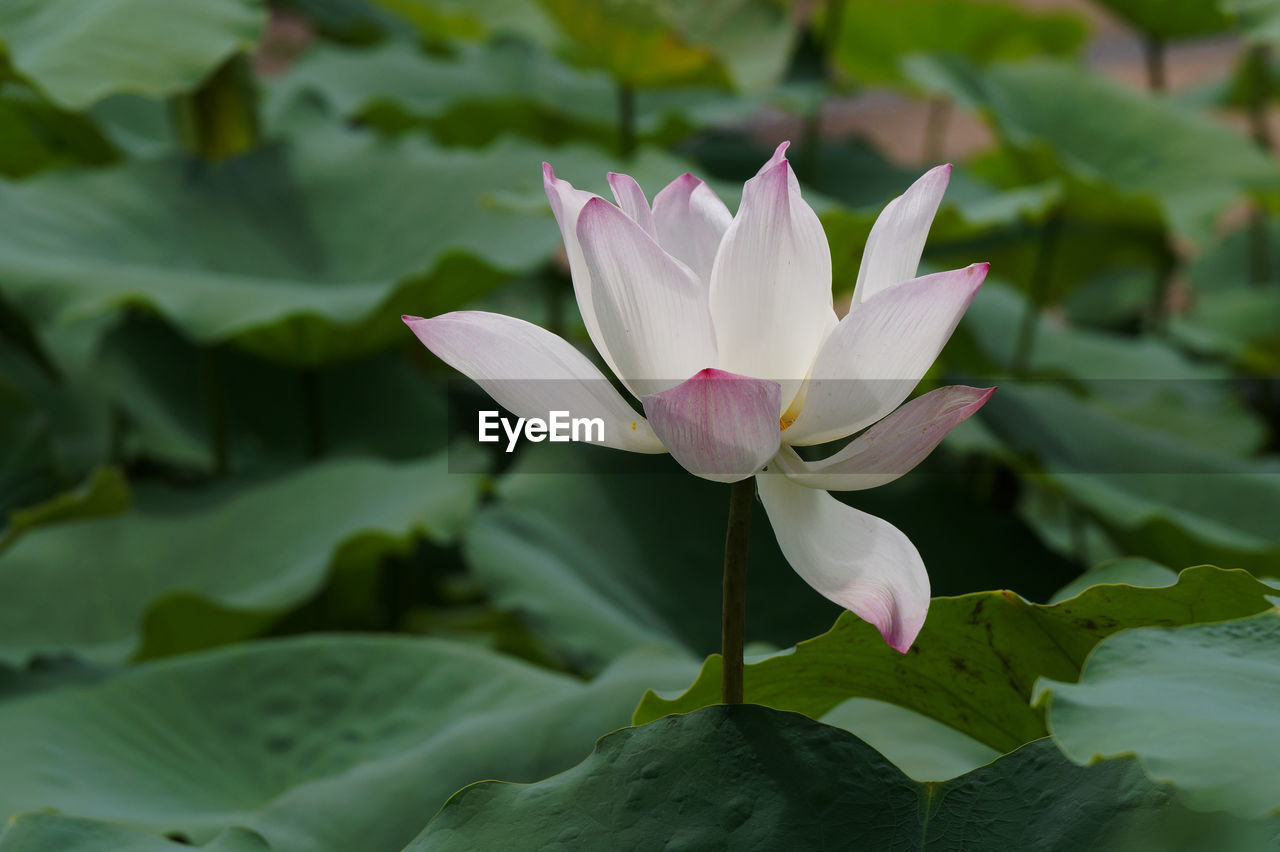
(318, 743)
(977, 658)
(1156, 495)
(484, 91)
(234, 559)
(306, 253)
(40, 832)
(1161, 19)
(659, 42)
(1140, 380)
(1196, 704)
(751, 778)
(507, 77)
(1192, 166)
(78, 54)
(874, 35)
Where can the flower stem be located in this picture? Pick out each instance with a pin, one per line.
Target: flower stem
(734, 616)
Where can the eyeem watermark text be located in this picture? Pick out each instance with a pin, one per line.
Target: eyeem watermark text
(559, 427)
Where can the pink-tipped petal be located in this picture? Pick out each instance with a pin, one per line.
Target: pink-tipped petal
(690, 220)
(897, 239)
(567, 203)
(879, 352)
(531, 372)
(860, 562)
(717, 425)
(893, 446)
(779, 156)
(630, 198)
(771, 283)
(652, 309)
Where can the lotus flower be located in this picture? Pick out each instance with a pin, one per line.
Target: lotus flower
(723, 328)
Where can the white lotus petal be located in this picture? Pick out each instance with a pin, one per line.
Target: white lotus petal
(878, 354)
(860, 562)
(652, 309)
(718, 425)
(690, 220)
(890, 448)
(771, 283)
(897, 239)
(566, 204)
(630, 198)
(531, 372)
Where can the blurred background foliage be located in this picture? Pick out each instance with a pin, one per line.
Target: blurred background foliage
(219, 438)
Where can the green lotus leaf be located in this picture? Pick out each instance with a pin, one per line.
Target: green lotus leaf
(1196, 704)
(975, 662)
(188, 570)
(316, 743)
(747, 777)
(156, 48)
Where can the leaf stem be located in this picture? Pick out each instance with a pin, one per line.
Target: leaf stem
(220, 119)
(937, 118)
(626, 120)
(313, 405)
(734, 615)
(215, 409)
(1039, 293)
(1154, 54)
(1259, 68)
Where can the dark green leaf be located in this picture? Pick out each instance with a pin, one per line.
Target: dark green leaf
(39, 832)
(975, 661)
(750, 778)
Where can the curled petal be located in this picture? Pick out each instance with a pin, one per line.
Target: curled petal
(567, 203)
(897, 239)
(891, 447)
(771, 282)
(630, 198)
(878, 353)
(531, 372)
(652, 309)
(860, 562)
(690, 220)
(717, 425)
